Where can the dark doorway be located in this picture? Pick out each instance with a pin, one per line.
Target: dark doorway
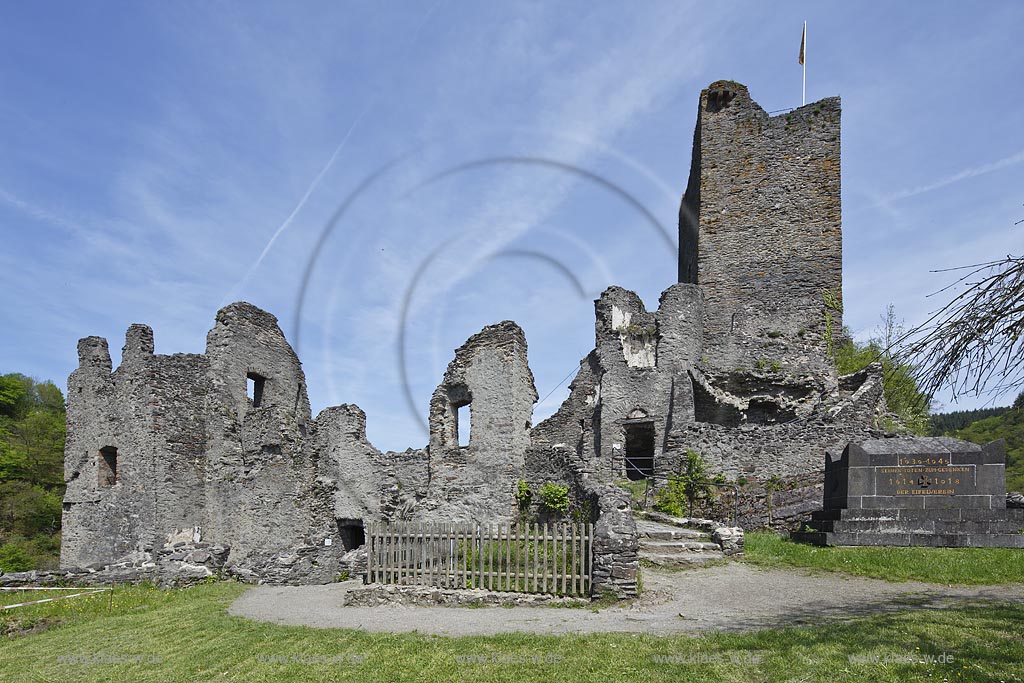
(108, 466)
(639, 450)
(350, 533)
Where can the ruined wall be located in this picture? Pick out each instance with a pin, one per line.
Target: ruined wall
(196, 459)
(133, 457)
(635, 379)
(489, 377)
(201, 460)
(760, 230)
(260, 480)
(647, 368)
(734, 364)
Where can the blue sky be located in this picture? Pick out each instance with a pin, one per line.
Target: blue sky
(467, 162)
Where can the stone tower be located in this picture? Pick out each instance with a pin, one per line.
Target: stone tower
(760, 231)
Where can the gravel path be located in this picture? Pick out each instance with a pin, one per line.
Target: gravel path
(732, 597)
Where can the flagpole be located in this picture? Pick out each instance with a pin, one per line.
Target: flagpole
(803, 96)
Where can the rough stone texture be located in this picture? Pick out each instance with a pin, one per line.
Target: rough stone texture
(730, 538)
(760, 229)
(199, 460)
(935, 491)
(196, 458)
(491, 378)
(616, 545)
(377, 595)
(755, 424)
(660, 526)
(177, 564)
(733, 364)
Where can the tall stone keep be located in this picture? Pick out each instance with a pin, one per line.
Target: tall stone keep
(760, 230)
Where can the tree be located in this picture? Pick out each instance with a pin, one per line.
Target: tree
(12, 394)
(902, 393)
(31, 471)
(974, 344)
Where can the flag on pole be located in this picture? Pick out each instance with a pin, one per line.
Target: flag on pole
(802, 59)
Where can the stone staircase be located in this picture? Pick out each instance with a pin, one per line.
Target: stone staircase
(954, 528)
(668, 542)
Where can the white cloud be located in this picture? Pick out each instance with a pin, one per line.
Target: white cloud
(965, 174)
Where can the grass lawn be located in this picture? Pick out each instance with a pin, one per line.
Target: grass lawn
(971, 566)
(186, 635)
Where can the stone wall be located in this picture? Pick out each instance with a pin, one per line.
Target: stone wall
(760, 230)
(489, 377)
(173, 449)
(616, 558)
(170, 447)
(120, 499)
(734, 363)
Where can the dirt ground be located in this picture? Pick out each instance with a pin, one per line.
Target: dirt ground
(732, 597)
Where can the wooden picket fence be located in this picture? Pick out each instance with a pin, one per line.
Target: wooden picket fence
(529, 558)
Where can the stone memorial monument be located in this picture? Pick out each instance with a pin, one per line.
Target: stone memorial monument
(935, 491)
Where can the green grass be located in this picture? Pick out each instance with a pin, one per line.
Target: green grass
(969, 566)
(186, 635)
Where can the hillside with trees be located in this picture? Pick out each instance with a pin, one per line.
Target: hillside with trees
(1009, 425)
(941, 424)
(31, 472)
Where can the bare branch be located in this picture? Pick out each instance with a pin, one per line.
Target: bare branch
(974, 344)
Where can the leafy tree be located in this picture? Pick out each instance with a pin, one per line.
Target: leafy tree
(12, 393)
(946, 423)
(13, 463)
(902, 394)
(14, 556)
(32, 418)
(1009, 426)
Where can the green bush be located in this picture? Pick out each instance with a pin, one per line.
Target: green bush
(689, 484)
(524, 496)
(554, 498)
(15, 556)
(20, 554)
(1009, 426)
(902, 395)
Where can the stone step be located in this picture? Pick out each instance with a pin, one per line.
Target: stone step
(665, 532)
(669, 547)
(951, 514)
(937, 526)
(876, 538)
(675, 535)
(681, 559)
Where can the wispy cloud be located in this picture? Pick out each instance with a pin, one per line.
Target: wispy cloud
(965, 174)
(302, 202)
(40, 214)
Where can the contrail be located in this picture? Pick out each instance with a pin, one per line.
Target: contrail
(972, 172)
(305, 197)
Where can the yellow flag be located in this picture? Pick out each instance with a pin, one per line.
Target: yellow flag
(803, 44)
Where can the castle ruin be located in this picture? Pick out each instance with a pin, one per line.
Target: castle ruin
(172, 456)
